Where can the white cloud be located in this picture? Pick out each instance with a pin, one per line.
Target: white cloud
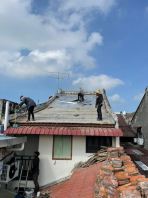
(35, 64)
(58, 41)
(146, 9)
(59, 56)
(102, 5)
(116, 98)
(95, 82)
(138, 97)
(94, 39)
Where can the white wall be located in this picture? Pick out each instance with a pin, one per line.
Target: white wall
(54, 170)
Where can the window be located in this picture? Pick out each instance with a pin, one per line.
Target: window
(93, 144)
(62, 147)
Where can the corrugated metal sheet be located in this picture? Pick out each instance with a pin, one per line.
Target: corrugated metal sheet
(77, 131)
(136, 157)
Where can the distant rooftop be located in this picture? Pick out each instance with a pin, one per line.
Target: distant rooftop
(128, 131)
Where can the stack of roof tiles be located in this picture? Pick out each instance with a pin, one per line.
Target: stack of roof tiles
(118, 177)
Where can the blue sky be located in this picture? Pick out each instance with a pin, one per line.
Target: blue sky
(92, 44)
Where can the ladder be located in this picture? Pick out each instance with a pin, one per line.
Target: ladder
(20, 180)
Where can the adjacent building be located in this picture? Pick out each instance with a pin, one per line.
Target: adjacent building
(140, 122)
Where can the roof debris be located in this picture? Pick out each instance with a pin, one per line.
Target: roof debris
(45, 194)
(100, 156)
(110, 173)
(119, 178)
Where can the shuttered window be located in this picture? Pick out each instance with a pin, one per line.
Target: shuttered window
(62, 147)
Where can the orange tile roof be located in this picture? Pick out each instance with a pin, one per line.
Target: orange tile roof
(81, 184)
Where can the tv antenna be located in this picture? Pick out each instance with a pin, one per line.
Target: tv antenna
(59, 76)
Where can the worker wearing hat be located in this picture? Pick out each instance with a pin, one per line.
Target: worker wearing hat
(99, 103)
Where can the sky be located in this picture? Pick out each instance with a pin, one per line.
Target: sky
(68, 44)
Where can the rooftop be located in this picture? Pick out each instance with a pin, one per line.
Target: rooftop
(128, 131)
(65, 108)
(63, 114)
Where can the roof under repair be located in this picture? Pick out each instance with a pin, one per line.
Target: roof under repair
(63, 114)
(65, 108)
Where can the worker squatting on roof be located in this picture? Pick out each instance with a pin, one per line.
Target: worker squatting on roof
(30, 103)
(99, 103)
(81, 95)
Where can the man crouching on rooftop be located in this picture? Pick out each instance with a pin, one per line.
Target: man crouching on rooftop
(30, 106)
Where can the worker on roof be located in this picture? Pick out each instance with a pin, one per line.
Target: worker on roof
(99, 103)
(81, 95)
(30, 106)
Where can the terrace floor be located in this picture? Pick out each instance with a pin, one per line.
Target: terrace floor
(81, 184)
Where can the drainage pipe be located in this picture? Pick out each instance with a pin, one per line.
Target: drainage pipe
(6, 116)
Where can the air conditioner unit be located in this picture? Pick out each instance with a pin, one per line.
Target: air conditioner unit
(9, 172)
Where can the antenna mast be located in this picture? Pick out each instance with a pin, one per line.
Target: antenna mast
(59, 76)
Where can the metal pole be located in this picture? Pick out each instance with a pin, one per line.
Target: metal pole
(6, 115)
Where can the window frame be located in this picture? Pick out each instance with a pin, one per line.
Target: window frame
(89, 139)
(56, 158)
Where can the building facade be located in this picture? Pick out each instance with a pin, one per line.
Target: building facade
(66, 132)
(139, 120)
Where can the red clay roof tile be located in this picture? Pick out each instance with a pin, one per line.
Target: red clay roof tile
(81, 184)
(78, 131)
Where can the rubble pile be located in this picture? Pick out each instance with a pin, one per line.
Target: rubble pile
(100, 156)
(118, 177)
(143, 187)
(45, 194)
